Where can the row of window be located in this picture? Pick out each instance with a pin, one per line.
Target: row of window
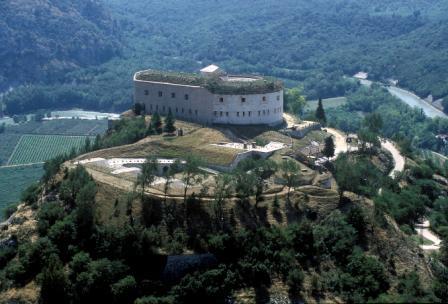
(173, 95)
(176, 110)
(243, 113)
(221, 99)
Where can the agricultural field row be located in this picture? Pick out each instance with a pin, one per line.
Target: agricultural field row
(39, 148)
(438, 159)
(14, 180)
(311, 105)
(7, 144)
(61, 127)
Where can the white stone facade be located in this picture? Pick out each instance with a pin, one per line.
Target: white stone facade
(197, 104)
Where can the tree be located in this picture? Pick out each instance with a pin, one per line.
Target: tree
(223, 190)
(374, 123)
(245, 185)
(191, 173)
(294, 101)
(169, 122)
(320, 113)
(125, 290)
(368, 140)
(53, 282)
(148, 174)
(137, 109)
(291, 174)
(85, 214)
(346, 176)
(156, 123)
(329, 148)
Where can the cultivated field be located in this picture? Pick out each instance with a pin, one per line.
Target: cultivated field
(7, 145)
(328, 103)
(13, 180)
(39, 148)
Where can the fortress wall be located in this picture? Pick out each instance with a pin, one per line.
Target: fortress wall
(196, 108)
(204, 107)
(256, 109)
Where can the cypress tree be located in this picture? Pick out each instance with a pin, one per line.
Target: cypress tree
(320, 113)
(156, 123)
(169, 122)
(329, 148)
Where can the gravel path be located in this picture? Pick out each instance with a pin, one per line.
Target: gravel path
(424, 231)
(399, 160)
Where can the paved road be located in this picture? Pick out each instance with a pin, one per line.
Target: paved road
(414, 101)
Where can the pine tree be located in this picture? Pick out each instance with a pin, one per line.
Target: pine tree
(156, 123)
(329, 148)
(53, 281)
(169, 122)
(320, 113)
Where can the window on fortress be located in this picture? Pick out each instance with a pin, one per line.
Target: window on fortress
(259, 113)
(221, 99)
(220, 113)
(278, 97)
(177, 110)
(196, 112)
(243, 99)
(187, 97)
(244, 114)
(264, 98)
(146, 92)
(238, 114)
(160, 93)
(248, 113)
(215, 113)
(173, 95)
(264, 112)
(189, 111)
(183, 110)
(268, 112)
(227, 113)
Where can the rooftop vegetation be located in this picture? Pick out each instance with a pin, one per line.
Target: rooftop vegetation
(214, 85)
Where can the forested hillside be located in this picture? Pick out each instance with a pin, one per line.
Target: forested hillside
(312, 43)
(40, 40)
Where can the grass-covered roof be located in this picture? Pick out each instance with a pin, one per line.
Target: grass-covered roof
(215, 85)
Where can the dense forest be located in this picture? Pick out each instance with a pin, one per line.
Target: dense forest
(308, 43)
(42, 40)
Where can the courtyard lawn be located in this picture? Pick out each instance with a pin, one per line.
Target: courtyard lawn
(39, 148)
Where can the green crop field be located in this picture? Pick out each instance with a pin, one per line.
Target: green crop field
(7, 144)
(39, 148)
(328, 103)
(13, 180)
(438, 159)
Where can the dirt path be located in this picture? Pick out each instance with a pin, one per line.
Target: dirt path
(340, 142)
(424, 231)
(399, 160)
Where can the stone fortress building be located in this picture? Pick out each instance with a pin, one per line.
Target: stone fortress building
(212, 97)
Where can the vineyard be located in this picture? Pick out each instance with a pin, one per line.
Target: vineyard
(7, 144)
(438, 159)
(39, 148)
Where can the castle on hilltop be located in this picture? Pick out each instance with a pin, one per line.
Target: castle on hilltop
(212, 97)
